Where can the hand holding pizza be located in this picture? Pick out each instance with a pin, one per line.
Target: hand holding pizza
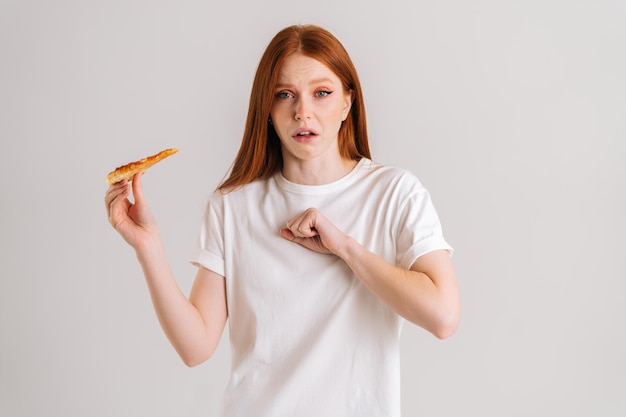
(133, 220)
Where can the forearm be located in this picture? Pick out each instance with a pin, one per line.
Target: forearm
(412, 294)
(180, 320)
(426, 295)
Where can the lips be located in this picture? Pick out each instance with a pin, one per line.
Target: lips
(304, 134)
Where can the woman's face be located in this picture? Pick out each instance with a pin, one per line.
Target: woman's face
(308, 108)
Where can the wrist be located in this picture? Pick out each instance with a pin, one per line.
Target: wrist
(348, 249)
(149, 248)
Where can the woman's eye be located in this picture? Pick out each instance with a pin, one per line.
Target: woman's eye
(323, 93)
(283, 94)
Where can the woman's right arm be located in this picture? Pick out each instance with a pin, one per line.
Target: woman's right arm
(193, 325)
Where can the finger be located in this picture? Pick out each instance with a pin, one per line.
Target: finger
(304, 232)
(303, 225)
(138, 189)
(306, 228)
(115, 191)
(287, 234)
(116, 187)
(311, 243)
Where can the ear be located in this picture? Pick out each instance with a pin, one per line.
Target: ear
(347, 105)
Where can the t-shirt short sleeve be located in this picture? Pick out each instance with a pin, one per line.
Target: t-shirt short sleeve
(419, 228)
(209, 249)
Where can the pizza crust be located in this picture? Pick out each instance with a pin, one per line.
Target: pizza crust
(128, 171)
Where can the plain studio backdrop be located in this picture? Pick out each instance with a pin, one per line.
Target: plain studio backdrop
(511, 113)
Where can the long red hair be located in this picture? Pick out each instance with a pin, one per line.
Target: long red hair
(260, 154)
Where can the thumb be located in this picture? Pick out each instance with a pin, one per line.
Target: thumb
(286, 233)
(138, 189)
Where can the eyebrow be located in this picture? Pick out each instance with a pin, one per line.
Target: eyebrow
(323, 80)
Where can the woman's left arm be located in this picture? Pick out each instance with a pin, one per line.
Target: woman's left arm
(427, 294)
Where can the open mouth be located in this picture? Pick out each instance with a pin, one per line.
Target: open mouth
(305, 133)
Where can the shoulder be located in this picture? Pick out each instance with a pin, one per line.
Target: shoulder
(255, 186)
(227, 200)
(390, 176)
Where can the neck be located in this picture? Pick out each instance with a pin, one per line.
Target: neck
(317, 172)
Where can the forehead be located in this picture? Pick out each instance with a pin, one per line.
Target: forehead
(299, 68)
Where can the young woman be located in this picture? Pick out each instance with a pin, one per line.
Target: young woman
(314, 253)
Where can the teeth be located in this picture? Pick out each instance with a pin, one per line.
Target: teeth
(304, 133)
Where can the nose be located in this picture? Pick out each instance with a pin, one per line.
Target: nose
(302, 109)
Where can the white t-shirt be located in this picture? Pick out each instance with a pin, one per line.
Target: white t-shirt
(308, 339)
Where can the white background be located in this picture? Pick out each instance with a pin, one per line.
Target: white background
(512, 113)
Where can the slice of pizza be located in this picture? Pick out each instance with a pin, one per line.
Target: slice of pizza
(126, 172)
